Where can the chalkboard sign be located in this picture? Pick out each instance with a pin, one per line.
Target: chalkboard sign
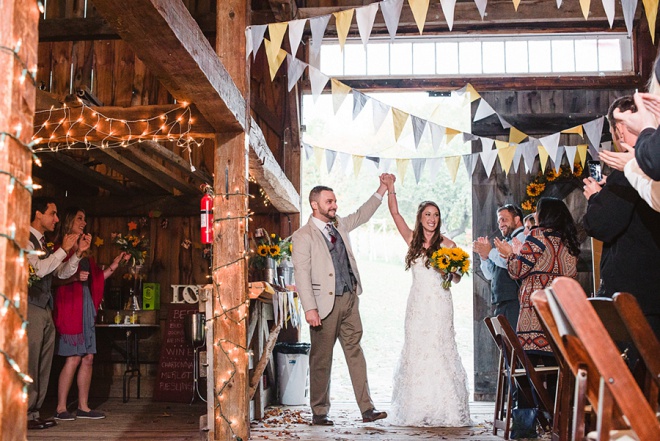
(174, 381)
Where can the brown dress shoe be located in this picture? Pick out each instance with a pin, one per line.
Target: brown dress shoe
(322, 420)
(38, 424)
(49, 422)
(373, 415)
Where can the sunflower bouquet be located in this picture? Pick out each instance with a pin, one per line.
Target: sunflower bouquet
(269, 246)
(449, 261)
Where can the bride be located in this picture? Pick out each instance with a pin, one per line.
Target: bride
(430, 383)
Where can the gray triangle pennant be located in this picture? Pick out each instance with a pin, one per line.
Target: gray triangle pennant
(295, 70)
(330, 156)
(380, 110)
(258, 32)
(418, 124)
(418, 167)
(359, 100)
(391, 10)
(318, 25)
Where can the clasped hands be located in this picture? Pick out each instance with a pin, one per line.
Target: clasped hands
(482, 246)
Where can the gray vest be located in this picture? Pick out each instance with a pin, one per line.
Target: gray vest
(344, 278)
(503, 288)
(39, 293)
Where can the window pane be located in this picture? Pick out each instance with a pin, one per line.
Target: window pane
(516, 57)
(493, 56)
(423, 58)
(609, 55)
(355, 59)
(447, 58)
(540, 58)
(401, 61)
(586, 55)
(378, 59)
(332, 60)
(469, 57)
(563, 56)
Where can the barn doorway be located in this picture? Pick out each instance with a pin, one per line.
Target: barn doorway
(348, 154)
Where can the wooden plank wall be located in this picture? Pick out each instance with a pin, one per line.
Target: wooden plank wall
(499, 189)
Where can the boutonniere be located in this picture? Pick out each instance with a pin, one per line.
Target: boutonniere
(335, 222)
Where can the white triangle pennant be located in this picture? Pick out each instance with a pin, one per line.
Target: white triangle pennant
(365, 20)
(318, 25)
(481, 6)
(418, 168)
(385, 164)
(594, 130)
(488, 158)
(608, 5)
(434, 167)
(469, 137)
(437, 132)
(558, 158)
(330, 156)
(629, 7)
(550, 143)
(359, 101)
(517, 156)
(380, 112)
(248, 42)
(296, 28)
(558, 4)
(309, 150)
(391, 10)
(318, 81)
(295, 69)
(571, 150)
(487, 144)
(529, 151)
(505, 123)
(258, 32)
(418, 124)
(345, 160)
(448, 7)
(484, 110)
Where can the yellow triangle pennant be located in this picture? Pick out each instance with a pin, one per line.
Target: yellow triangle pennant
(453, 162)
(651, 8)
(419, 9)
(506, 155)
(450, 133)
(474, 95)
(582, 152)
(274, 62)
(339, 92)
(318, 156)
(516, 136)
(577, 130)
(357, 164)
(343, 24)
(501, 144)
(276, 32)
(399, 118)
(402, 168)
(543, 157)
(585, 4)
(515, 4)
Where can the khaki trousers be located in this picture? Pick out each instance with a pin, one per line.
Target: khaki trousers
(41, 344)
(343, 323)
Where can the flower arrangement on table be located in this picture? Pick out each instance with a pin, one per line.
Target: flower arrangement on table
(32, 275)
(450, 261)
(269, 246)
(136, 246)
(539, 184)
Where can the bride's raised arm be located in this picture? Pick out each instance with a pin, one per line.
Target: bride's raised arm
(392, 204)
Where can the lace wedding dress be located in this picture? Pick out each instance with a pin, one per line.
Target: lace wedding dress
(430, 383)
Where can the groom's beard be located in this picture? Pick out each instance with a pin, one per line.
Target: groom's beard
(327, 215)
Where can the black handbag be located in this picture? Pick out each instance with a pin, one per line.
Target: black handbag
(524, 423)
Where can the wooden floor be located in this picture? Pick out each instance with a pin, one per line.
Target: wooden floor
(146, 420)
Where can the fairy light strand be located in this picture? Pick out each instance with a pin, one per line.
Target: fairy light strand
(26, 72)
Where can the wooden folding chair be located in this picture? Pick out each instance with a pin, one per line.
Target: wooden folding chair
(515, 365)
(590, 349)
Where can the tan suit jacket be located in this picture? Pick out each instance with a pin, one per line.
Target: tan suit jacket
(314, 271)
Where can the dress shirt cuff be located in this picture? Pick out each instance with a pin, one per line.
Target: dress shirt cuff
(378, 196)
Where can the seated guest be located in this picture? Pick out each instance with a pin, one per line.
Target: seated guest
(529, 222)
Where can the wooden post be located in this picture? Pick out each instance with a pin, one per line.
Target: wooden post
(18, 38)
(230, 300)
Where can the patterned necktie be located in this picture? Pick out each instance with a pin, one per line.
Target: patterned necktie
(42, 241)
(331, 233)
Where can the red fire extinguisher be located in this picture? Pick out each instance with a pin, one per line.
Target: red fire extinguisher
(206, 212)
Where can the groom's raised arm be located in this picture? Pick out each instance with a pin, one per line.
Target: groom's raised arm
(364, 213)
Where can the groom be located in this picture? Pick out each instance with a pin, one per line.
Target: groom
(328, 284)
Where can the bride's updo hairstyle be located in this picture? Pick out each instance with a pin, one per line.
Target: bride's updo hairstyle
(416, 248)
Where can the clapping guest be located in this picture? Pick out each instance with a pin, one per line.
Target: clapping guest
(550, 251)
(77, 301)
(529, 222)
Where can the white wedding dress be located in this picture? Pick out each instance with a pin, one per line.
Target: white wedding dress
(430, 383)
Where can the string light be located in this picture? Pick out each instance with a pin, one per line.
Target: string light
(83, 127)
(25, 71)
(28, 185)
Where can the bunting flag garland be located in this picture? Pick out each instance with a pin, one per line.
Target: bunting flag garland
(550, 144)
(339, 93)
(481, 7)
(448, 8)
(584, 5)
(399, 118)
(594, 129)
(529, 152)
(309, 150)
(558, 4)
(391, 10)
(505, 123)
(450, 134)
(487, 144)
(418, 167)
(483, 111)
(516, 3)
(418, 124)
(343, 24)
(295, 70)
(506, 154)
(516, 158)
(434, 166)
(577, 130)
(357, 164)
(365, 20)
(651, 9)
(470, 162)
(275, 58)
(276, 32)
(419, 10)
(318, 156)
(515, 135)
(330, 156)
(402, 168)
(582, 152)
(359, 101)
(452, 163)
(318, 81)
(380, 112)
(629, 7)
(571, 150)
(296, 29)
(318, 26)
(437, 133)
(488, 158)
(258, 33)
(543, 157)
(248, 42)
(608, 6)
(558, 158)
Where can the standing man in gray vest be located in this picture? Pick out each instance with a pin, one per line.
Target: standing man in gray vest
(40, 328)
(504, 290)
(328, 284)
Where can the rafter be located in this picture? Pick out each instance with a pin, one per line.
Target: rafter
(131, 171)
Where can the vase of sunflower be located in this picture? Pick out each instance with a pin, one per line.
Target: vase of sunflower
(269, 252)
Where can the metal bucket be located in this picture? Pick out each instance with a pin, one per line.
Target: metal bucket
(194, 328)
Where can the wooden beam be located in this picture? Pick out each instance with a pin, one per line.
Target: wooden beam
(267, 172)
(131, 171)
(139, 119)
(137, 205)
(176, 160)
(74, 167)
(165, 175)
(180, 56)
(532, 124)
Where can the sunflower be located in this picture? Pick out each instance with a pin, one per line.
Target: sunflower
(274, 250)
(262, 250)
(527, 205)
(577, 170)
(553, 175)
(534, 189)
(466, 267)
(455, 254)
(443, 261)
